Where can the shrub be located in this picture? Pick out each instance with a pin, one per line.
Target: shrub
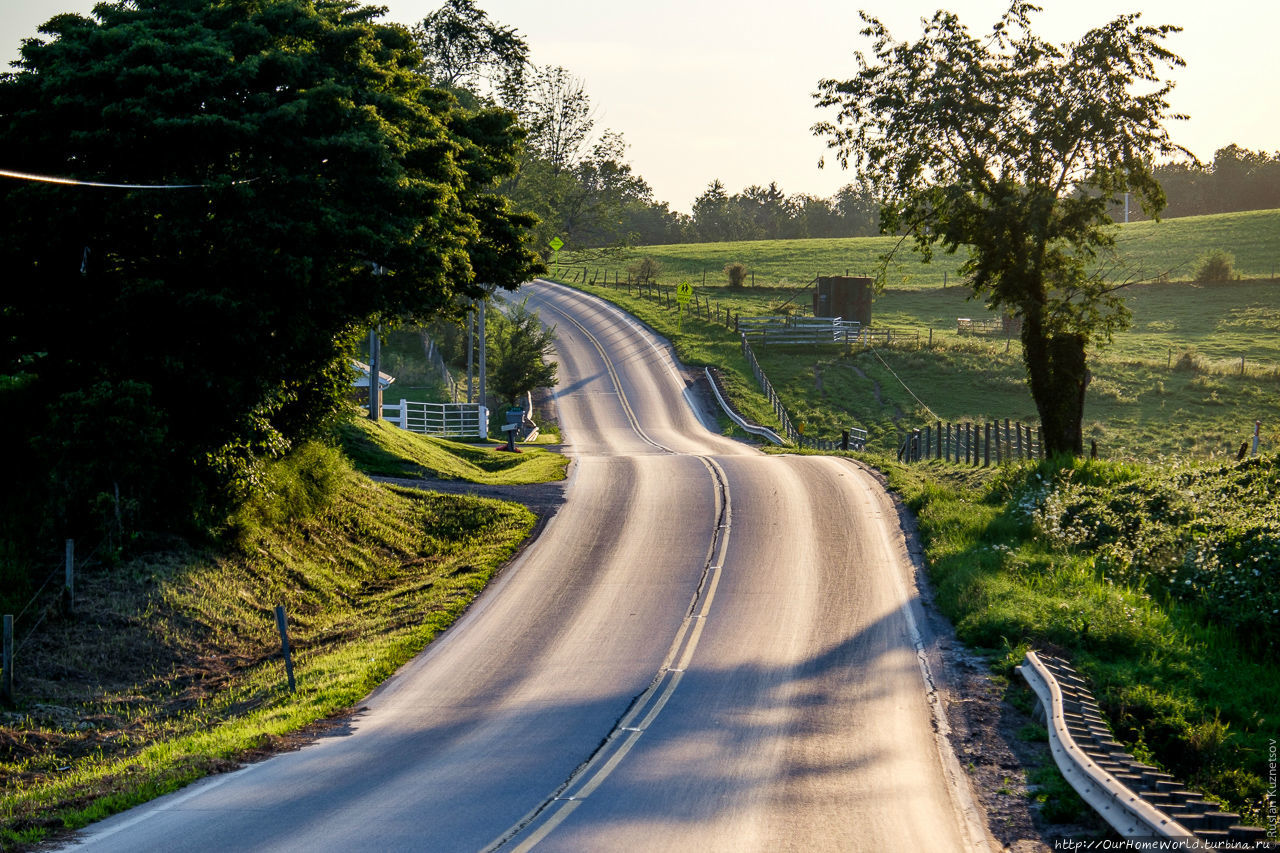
(1215, 266)
(293, 488)
(645, 269)
(1189, 361)
(737, 274)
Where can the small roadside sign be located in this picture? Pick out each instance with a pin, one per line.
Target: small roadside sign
(684, 292)
(556, 244)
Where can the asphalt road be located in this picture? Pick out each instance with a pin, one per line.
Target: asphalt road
(707, 649)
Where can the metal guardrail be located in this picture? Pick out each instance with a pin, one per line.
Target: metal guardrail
(763, 432)
(1139, 801)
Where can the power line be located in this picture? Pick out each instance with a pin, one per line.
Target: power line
(903, 384)
(50, 179)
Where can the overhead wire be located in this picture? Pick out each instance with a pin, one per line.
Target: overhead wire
(903, 384)
(53, 179)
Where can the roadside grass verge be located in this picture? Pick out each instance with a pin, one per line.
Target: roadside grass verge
(170, 669)
(382, 449)
(1182, 687)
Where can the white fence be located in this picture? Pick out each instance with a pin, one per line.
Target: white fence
(799, 330)
(447, 420)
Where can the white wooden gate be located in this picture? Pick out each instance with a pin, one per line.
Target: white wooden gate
(447, 420)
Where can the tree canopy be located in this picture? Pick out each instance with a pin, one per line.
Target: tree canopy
(1013, 148)
(463, 48)
(159, 343)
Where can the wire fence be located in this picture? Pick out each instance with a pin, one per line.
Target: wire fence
(853, 438)
(40, 606)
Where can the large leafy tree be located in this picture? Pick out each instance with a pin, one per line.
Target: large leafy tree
(1014, 147)
(463, 49)
(159, 343)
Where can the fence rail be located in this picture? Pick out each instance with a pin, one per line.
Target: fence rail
(787, 329)
(444, 420)
(972, 443)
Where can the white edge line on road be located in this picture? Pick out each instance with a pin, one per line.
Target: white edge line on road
(171, 801)
(966, 807)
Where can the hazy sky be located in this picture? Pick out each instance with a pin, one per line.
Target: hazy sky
(705, 89)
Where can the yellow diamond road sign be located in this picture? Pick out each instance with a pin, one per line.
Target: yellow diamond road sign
(556, 244)
(684, 291)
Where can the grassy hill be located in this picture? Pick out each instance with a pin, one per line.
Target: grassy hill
(1200, 364)
(386, 450)
(1149, 250)
(170, 668)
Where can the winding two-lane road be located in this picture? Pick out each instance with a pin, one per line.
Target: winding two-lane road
(707, 649)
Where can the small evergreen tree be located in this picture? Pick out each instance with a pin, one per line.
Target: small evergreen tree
(518, 347)
(1215, 266)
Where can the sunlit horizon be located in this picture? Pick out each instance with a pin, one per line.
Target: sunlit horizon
(722, 90)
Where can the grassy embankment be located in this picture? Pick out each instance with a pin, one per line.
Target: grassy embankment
(171, 667)
(1158, 577)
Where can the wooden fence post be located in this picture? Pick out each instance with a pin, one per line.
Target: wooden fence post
(69, 585)
(284, 646)
(986, 453)
(6, 678)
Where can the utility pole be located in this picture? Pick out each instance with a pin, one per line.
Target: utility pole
(471, 348)
(375, 366)
(483, 346)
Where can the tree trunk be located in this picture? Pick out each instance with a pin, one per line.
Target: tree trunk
(1058, 378)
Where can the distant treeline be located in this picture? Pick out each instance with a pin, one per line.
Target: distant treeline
(755, 213)
(1236, 180)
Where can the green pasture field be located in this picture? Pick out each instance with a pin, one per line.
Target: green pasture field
(1170, 387)
(1199, 365)
(1146, 251)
